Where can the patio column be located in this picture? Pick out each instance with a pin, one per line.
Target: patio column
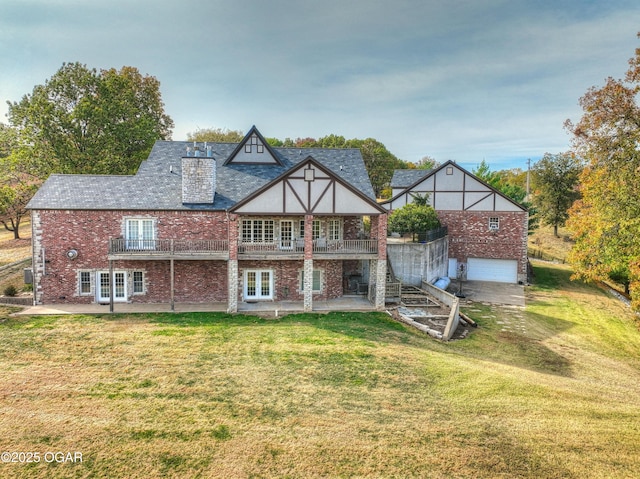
(308, 263)
(232, 266)
(173, 284)
(111, 286)
(381, 273)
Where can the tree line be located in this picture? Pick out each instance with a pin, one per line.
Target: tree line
(92, 121)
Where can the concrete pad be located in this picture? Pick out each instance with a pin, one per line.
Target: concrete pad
(346, 303)
(488, 292)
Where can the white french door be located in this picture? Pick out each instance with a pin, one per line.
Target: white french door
(140, 234)
(103, 291)
(258, 284)
(286, 234)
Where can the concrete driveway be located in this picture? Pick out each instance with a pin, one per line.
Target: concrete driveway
(488, 292)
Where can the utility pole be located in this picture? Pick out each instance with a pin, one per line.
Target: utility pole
(528, 169)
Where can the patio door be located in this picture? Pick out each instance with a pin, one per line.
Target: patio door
(140, 234)
(104, 286)
(258, 284)
(286, 234)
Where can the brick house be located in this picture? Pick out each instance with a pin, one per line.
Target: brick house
(487, 230)
(216, 222)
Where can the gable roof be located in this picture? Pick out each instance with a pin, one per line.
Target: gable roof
(432, 173)
(158, 183)
(257, 157)
(404, 178)
(296, 192)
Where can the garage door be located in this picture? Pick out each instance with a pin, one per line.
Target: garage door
(498, 270)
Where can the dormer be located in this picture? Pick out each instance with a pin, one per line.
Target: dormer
(253, 150)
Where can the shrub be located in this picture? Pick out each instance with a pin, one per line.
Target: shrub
(10, 290)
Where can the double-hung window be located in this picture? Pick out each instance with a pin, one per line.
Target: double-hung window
(85, 282)
(316, 283)
(494, 223)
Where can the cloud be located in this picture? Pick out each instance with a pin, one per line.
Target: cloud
(460, 80)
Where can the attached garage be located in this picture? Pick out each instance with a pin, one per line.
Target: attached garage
(497, 270)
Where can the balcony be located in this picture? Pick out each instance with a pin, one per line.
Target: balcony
(329, 249)
(120, 248)
(123, 249)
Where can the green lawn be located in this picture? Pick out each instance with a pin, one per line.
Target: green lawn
(337, 395)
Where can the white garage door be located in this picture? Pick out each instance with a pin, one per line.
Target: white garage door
(498, 270)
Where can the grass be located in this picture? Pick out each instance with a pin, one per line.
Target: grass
(543, 243)
(336, 395)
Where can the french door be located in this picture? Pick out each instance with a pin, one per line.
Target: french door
(286, 234)
(258, 284)
(103, 291)
(140, 234)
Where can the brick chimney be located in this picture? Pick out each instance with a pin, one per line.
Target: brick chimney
(198, 179)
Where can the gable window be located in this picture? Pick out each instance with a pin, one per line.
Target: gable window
(138, 282)
(335, 230)
(494, 223)
(140, 233)
(253, 144)
(449, 170)
(316, 284)
(257, 231)
(85, 282)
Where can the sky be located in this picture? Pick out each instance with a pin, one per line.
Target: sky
(463, 80)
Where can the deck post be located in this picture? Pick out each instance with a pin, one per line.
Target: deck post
(172, 284)
(111, 286)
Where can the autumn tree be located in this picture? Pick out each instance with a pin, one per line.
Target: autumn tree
(556, 179)
(87, 121)
(17, 186)
(606, 221)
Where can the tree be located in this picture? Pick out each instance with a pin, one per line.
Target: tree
(16, 189)
(16, 185)
(216, 135)
(606, 221)
(413, 218)
(556, 178)
(425, 163)
(508, 182)
(85, 121)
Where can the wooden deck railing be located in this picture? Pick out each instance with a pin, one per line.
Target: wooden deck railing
(175, 247)
(320, 246)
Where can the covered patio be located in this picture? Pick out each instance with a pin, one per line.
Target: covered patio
(277, 308)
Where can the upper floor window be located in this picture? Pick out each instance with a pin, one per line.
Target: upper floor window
(140, 233)
(316, 229)
(494, 223)
(257, 231)
(335, 230)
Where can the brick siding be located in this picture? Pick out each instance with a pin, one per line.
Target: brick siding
(470, 236)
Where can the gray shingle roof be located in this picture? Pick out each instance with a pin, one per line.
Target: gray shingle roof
(404, 178)
(158, 183)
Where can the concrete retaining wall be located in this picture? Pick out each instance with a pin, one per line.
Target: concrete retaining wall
(416, 262)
